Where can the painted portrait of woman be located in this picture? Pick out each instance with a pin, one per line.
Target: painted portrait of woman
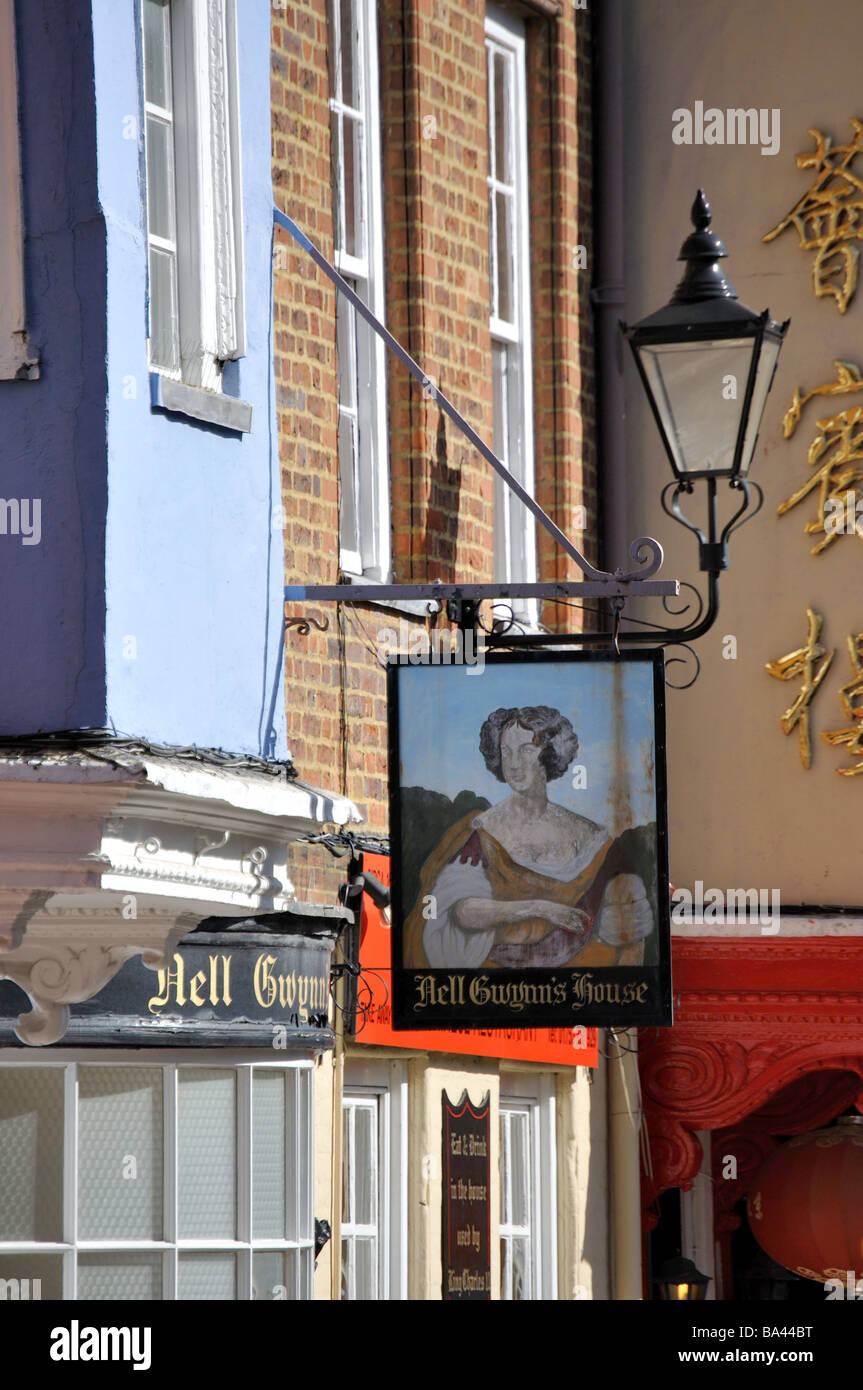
(528, 882)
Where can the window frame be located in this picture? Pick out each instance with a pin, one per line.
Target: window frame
(534, 1095)
(245, 1246)
(386, 1084)
(209, 326)
(515, 550)
(369, 556)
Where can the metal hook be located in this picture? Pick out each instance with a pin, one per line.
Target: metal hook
(617, 609)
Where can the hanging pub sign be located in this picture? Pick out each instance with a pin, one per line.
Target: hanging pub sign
(529, 842)
(466, 1216)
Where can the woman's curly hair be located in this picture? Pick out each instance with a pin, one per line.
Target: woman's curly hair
(551, 730)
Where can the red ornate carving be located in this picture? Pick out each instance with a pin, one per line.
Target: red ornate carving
(748, 1148)
(768, 1031)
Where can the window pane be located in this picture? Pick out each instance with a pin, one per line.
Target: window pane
(366, 1164)
(299, 1269)
(120, 1153)
(127, 1276)
(346, 344)
(520, 1256)
(43, 1273)
(156, 49)
(305, 1164)
(269, 1157)
(502, 119)
(268, 1276)
(352, 153)
(206, 1126)
(365, 1267)
(31, 1153)
(348, 483)
(519, 1168)
(501, 401)
(503, 217)
(207, 1276)
(348, 36)
(160, 179)
(292, 1139)
(163, 310)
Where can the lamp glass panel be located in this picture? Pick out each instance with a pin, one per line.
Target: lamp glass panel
(763, 379)
(699, 389)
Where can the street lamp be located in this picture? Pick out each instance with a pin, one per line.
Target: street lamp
(707, 364)
(678, 1280)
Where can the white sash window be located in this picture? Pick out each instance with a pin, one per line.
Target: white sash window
(194, 207)
(514, 527)
(528, 1204)
(364, 513)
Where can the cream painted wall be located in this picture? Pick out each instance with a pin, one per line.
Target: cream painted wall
(742, 811)
(583, 1235)
(583, 1191)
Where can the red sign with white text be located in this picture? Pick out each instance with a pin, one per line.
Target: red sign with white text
(563, 1047)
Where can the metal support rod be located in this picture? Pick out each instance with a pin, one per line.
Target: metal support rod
(446, 406)
(658, 637)
(587, 588)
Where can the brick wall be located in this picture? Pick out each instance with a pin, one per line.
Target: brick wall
(434, 151)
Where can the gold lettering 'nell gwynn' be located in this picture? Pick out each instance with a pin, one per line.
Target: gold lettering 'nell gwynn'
(174, 982)
(299, 994)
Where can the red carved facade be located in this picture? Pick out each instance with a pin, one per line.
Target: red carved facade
(767, 1040)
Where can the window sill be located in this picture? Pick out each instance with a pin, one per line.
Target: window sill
(212, 407)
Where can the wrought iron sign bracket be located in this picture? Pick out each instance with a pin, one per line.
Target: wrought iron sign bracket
(646, 552)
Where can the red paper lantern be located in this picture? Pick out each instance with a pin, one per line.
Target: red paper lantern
(806, 1204)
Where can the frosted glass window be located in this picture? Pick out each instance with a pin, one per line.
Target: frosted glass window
(282, 1276)
(156, 1159)
(31, 1153)
(207, 1276)
(119, 1153)
(269, 1155)
(127, 1276)
(39, 1277)
(207, 1161)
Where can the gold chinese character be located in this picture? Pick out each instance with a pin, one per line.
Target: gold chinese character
(838, 449)
(851, 695)
(827, 217)
(802, 663)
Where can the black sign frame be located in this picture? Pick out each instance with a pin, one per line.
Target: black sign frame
(496, 995)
